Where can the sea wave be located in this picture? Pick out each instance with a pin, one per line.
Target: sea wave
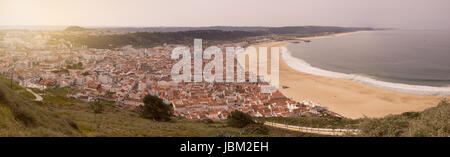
(302, 66)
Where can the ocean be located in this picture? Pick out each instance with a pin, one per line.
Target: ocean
(409, 61)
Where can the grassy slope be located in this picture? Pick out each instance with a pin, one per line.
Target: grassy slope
(60, 116)
(317, 122)
(117, 122)
(430, 122)
(15, 87)
(20, 116)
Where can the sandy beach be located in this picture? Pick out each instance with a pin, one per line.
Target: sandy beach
(345, 97)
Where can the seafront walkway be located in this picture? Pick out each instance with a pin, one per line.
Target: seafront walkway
(321, 131)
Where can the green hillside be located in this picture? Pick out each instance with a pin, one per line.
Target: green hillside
(20, 116)
(432, 122)
(57, 115)
(60, 116)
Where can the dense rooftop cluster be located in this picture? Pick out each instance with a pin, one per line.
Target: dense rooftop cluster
(125, 75)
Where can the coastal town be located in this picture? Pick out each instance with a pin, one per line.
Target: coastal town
(126, 75)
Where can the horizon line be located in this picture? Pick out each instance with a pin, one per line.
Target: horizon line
(181, 26)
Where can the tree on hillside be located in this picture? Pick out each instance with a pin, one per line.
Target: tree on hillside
(154, 108)
(3, 99)
(239, 119)
(97, 107)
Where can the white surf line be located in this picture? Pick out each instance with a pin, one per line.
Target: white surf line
(321, 131)
(302, 66)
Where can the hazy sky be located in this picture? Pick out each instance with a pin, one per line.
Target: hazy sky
(416, 14)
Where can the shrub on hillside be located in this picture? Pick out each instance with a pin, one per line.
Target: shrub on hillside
(154, 108)
(256, 128)
(208, 121)
(433, 122)
(239, 119)
(97, 107)
(390, 126)
(24, 116)
(3, 99)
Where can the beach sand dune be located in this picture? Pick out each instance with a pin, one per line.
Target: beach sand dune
(345, 97)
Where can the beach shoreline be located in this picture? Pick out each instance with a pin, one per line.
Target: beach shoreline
(330, 35)
(344, 96)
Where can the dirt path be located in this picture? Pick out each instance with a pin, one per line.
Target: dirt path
(38, 97)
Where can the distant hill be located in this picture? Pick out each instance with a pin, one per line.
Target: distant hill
(306, 30)
(276, 30)
(154, 36)
(149, 39)
(74, 28)
(182, 29)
